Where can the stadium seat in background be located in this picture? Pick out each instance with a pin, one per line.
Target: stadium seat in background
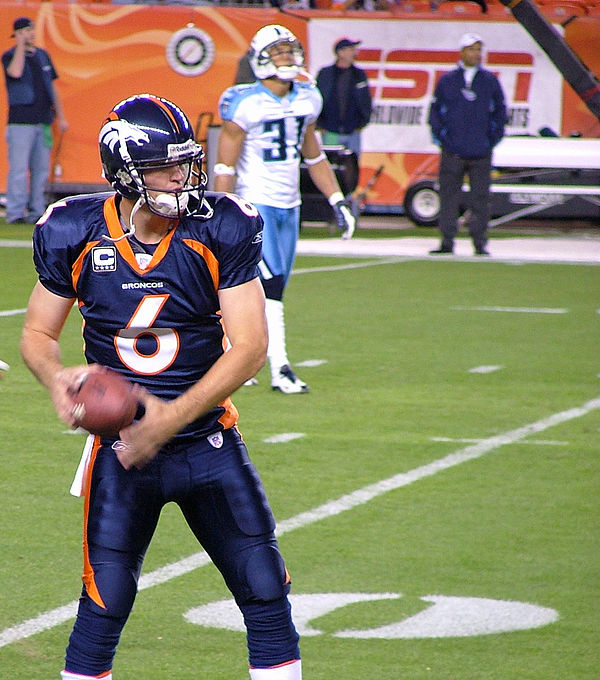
(459, 7)
(411, 6)
(562, 9)
(498, 12)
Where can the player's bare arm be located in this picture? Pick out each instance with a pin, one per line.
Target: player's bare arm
(44, 321)
(231, 141)
(242, 308)
(321, 173)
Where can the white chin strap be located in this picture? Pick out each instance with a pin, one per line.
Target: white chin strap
(292, 72)
(287, 72)
(169, 205)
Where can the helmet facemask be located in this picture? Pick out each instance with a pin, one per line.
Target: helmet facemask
(178, 202)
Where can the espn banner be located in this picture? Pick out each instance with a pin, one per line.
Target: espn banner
(106, 52)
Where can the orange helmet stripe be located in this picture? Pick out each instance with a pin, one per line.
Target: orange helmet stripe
(166, 110)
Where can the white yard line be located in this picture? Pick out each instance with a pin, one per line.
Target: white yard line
(473, 440)
(517, 310)
(13, 312)
(284, 437)
(353, 265)
(60, 615)
(484, 369)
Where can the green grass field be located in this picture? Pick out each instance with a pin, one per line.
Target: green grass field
(450, 548)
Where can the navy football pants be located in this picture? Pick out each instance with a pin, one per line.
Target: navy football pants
(223, 501)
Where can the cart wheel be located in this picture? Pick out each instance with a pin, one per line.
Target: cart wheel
(422, 203)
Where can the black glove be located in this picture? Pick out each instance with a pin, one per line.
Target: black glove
(344, 217)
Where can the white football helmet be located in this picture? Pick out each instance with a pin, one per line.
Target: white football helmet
(260, 59)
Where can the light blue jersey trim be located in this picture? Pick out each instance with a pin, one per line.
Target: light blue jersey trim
(234, 96)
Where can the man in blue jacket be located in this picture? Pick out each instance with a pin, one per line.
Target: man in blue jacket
(33, 103)
(467, 118)
(346, 98)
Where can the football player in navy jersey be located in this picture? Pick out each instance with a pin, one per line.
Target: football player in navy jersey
(159, 270)
(268, 127)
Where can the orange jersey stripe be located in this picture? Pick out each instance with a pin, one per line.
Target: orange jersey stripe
(208, 256)
(231, 415)
(124, 247)
(78, 264)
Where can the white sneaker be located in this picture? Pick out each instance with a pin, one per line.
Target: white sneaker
(251, 382)
(288, 382)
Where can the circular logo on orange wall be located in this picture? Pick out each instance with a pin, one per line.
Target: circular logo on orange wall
(190, 51)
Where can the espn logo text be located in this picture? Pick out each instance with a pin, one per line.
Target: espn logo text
(402, 81)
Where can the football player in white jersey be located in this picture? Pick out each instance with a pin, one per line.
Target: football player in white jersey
(268, 128)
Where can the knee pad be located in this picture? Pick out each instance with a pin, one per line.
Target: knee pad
(266, 575)
(117, 587)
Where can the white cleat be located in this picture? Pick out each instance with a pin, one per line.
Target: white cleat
(288, 382)
(251, 382)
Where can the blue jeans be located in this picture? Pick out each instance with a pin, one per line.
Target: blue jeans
(29, 148)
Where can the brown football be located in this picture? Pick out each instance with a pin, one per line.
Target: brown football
(105, 403)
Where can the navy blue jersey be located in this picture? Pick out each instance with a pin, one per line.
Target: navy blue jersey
(154, 319)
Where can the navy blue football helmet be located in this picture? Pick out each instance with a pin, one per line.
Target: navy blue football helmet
(145, 132)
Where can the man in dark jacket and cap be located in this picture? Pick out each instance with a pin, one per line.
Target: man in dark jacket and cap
(346, 98)
(33, 103)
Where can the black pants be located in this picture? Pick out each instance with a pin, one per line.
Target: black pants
(451, 177)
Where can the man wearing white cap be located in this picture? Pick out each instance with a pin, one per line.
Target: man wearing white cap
(467, 118)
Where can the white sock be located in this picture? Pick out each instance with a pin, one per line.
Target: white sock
(276, 326)
(67, 675)
(288, 671)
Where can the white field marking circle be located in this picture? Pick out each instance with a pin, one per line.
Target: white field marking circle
(54, 617)
(284, 437)
(484, 369)
(446, 617)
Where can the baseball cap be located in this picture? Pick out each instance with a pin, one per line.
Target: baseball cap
(345, 42)
(469, 39)
(22, 22)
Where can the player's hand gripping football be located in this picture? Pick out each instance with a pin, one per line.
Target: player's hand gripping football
(344, 218)
(140, 442)
(65, 384)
